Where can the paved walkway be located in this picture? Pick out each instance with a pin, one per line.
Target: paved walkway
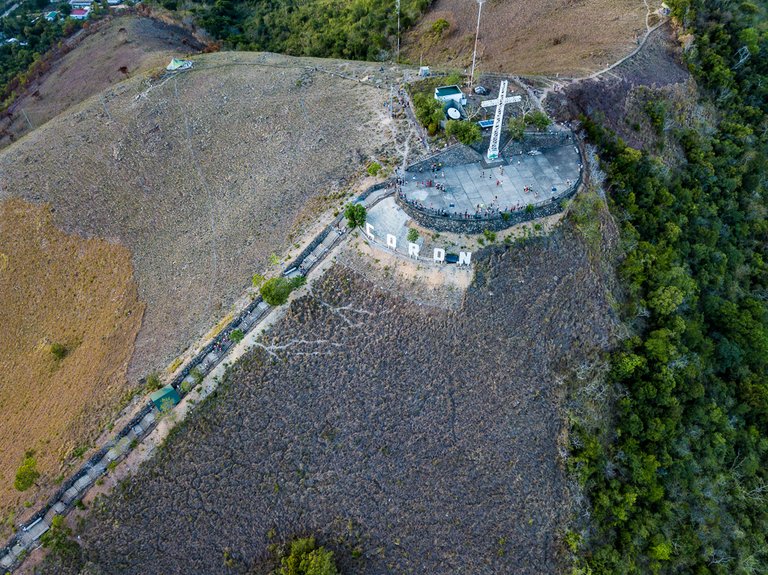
(531, 178)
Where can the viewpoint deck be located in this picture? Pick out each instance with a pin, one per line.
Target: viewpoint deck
(469, 189)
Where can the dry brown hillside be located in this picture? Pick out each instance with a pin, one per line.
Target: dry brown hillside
(58, 290)
(536, 37)
(201, 175)
(120, 48)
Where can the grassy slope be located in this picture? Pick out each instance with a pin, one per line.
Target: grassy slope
(124, 47)
(541, 37)
(58, 288)
(202, 176)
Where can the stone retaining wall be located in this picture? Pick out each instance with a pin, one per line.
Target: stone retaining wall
(474, 225)
(537, 141)
(454, 155)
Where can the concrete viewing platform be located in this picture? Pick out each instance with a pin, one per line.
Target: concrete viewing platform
(531, 178)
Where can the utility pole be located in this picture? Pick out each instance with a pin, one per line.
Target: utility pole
(397, 61)
(474, 52)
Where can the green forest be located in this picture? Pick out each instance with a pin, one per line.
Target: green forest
(354, 29)
(680, 485)
(25, 58)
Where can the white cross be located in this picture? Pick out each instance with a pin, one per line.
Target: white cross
(500, 102)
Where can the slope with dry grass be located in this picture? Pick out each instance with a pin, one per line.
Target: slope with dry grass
(563, 37)
(58, 289)
(202, 176)
(119, 49)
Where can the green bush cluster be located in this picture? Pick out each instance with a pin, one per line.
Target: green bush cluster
(58, 539)
(429, 112)
(275, 291)
(538, 120)
(307, 558)
(27, 473)
(467, 133)
(356, 215)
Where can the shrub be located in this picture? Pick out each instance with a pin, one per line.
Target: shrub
(59, 351)
(538, 120)
(373, 168)
(439, 27)
(306, 558)
(516, 127)
(490, 236)
(257, 280)
(197, 376)
(428, 111)
(656, 111)
(355, 214)
(58, 540)
(467, 133)
(153, 381)
(413, 235)
(236, 335)
(276, 290)
(27, 473)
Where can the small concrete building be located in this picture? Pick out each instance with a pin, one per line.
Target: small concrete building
(165, 398)
(450, 93)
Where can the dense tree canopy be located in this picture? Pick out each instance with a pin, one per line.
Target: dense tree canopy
(355, 29)
(24, 58)
(681, 486)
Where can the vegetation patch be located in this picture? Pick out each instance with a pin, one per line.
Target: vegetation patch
(275, 291)
(678, 484)
(305, 557)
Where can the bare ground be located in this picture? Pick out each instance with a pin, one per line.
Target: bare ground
(124, 47)
(421, 439)
(619, 99)
(58, 289)
(202, 176)
(545, 37)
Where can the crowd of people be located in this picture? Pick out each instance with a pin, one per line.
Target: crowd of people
(481, 211)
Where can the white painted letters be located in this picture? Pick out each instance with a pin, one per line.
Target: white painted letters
(391, 241)
(369, 230)
(413, 250)
(465, 258)
(438, 256)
